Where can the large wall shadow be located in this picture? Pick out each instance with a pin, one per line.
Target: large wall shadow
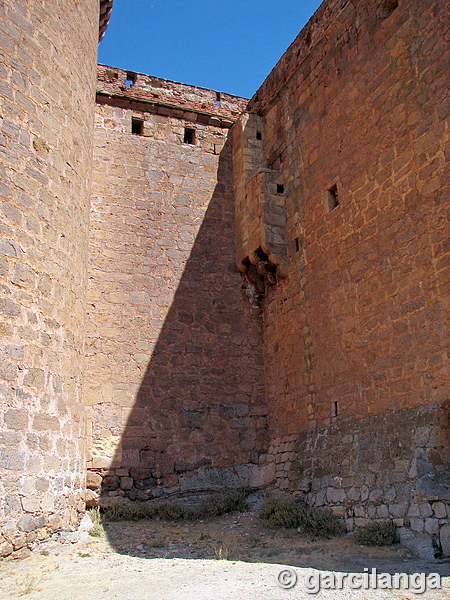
(199, 421)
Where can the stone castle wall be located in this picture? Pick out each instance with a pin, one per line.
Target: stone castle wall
(47, 89)
(267, 296)
(352, 125)
(174, 370)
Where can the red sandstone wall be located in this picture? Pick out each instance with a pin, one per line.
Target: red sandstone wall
(47, 71)
(165, 97)
(356, 340)
(174, 353)
(362, 318)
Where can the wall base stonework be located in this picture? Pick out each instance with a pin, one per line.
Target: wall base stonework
(121, 486)
(381, 467)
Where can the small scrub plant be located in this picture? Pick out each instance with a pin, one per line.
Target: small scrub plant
(94, 515)
(27, 586)
(156, 543)
(320, 523)
(288, 513)
(222, 504)
(280, 512)
(378, 533)
(171, 511)
(221, 553)
(97, 526)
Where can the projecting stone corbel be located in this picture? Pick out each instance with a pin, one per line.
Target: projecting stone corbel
(263, 227)
(260, 207)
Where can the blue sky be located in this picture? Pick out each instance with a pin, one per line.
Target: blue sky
(225, 45)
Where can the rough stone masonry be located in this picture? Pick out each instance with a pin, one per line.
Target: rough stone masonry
(201, 292)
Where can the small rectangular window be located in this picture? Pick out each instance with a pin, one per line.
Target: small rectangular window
(297, 244)
(280, 188)
(137, 126)
(258, 135)
(334, 409)
(333, 198)
(388, 7)
(131, 79)
(189, 135)
(218, 101)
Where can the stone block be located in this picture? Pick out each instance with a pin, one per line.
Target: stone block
(16, 419)
(6, 548)
(375, 496)
(350, 525)
(11, 459)
(93, 480)
(425, 510)
(26, 523)
(339, 511)
(126, 483)
(414, 511)
(110, 482)
(432, 526)
(335, 495)
(361, 522)
(140, 473)
(8, 370)
(440, 510)
(91, 499)
(34, 378)
(86, 524)
(397, 510)
(143, 484)
(261, 476)
(421, 544)
(19, 541)
(383, 512)
(31, 504)
(444, 539)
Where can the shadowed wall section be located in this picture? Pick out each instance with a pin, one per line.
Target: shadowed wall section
(174, 354)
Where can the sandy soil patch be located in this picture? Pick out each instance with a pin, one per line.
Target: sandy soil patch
(228, 557)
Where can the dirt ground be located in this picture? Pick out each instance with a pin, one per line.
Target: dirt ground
(234, 557)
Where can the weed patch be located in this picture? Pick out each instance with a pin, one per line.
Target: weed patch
(222, 504)
(130, 512)
(287, 513)
(221, 553)
(169, 510)
(97, 526)
(378, 533)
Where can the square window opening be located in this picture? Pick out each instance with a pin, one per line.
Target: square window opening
(131, 80)
(333, 198)
(189, 135)
(137, 126)
(388, 7)
(280, 188)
